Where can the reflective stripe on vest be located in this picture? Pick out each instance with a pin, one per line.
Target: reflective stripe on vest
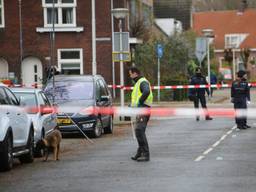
(136, 94)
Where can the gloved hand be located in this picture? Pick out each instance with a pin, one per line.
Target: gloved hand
(232, 100)
(248, 102)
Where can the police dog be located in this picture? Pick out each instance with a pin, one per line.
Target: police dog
(51, 141)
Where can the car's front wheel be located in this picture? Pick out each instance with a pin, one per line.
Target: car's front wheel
(97, 129)
(40, 152)
(6, 156)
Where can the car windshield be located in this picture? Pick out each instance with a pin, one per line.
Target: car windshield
(70, 90)
(27, 100)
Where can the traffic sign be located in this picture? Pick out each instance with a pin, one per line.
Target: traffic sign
(159, 50)
(201, 48)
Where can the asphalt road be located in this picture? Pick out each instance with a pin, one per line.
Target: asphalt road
(186, 156)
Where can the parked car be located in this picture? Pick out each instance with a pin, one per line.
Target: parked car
(72, 94)
(16, 131)
(40, 110)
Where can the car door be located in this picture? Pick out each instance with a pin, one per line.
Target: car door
(48, 120)
(103, 103)
(20, 119)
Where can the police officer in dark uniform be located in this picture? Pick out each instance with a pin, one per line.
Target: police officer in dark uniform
(199, 93)
(240, 96)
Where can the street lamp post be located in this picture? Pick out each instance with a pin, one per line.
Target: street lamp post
(234, 63)
(121, 13)
(208, 33)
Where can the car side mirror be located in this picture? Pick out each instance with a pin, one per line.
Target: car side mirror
(104, 98)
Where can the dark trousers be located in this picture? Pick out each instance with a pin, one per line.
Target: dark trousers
(202, 100)
(240, 104)
(140, 129)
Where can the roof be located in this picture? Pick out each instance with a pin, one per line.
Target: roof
(24, 89)
(167, 25)
(227, 22)
(76, 77)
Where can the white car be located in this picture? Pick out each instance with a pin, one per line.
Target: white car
(40, 110)
(16, 131)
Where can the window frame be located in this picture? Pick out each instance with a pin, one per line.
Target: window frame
(63, 61)
(2, 14)
(59, 6)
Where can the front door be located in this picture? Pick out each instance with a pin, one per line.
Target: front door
(32, 71)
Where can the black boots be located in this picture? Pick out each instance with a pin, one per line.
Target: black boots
(141, 157)
(208, 118)
(136, 156)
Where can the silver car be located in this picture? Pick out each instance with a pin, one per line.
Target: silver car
(39, 109)
(16, 131)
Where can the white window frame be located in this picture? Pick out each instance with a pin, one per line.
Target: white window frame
(59, 5)
(63, 61)
(239, 38)
(2, 8)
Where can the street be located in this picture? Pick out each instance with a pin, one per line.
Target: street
(186, 155)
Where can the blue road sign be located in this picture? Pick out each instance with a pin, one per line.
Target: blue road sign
(159, 50)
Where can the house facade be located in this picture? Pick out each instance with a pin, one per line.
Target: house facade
(30, 43)
(234, 37)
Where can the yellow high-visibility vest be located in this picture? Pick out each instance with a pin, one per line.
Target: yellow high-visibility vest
(136, 94)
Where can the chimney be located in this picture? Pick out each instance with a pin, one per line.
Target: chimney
(243, 6)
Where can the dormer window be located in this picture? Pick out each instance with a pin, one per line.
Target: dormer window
(1, 13)
(63, 11)
(234, 40)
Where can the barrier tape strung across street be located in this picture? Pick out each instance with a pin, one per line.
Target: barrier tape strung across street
(170, 112)
(252, 84)
(154, 111)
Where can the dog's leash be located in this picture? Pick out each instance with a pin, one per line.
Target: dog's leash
(86, 137)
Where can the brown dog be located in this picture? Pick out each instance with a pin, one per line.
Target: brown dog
(51, 141)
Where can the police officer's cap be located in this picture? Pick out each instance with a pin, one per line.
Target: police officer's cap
(241, 73)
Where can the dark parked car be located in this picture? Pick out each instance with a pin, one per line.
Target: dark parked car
(74, 93)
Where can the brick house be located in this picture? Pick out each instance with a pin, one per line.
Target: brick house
(26, 39)
(234, 31)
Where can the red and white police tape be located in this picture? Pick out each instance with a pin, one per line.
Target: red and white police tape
(252, 84)
(154, 111)
(169, 112)
(166, 112)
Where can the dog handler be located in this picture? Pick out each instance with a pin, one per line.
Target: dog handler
(141, 97)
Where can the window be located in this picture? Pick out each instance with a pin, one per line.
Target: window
(70, 61)
(69, 91)
(3, 98)
(12, 98)
(1, 13)
(63, 14)
(234, 40)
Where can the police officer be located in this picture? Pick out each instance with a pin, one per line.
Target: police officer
(141, 97)
(199, 93)
(240, 96)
